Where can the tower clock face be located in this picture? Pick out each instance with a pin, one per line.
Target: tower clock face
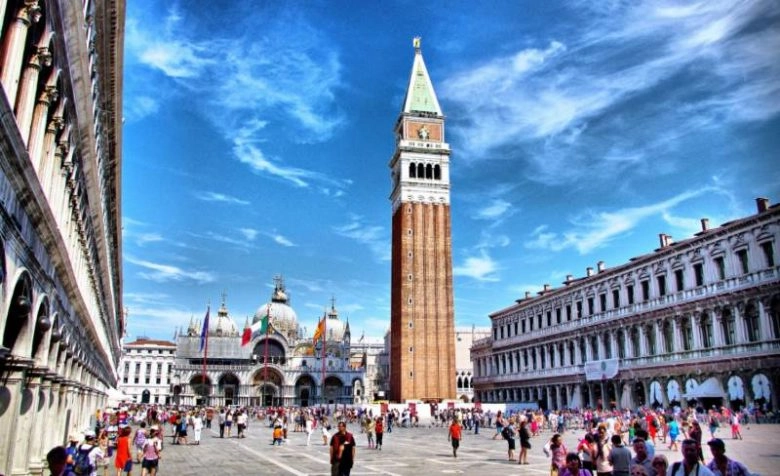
(423, 131)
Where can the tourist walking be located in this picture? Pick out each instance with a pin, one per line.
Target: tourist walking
(151, 453)
(556, 450)
(641, 457)
(342, 451)
(619, 457)
(721, 465)
(379, 429)
(454, 436)
(124, 455)
(221, 417)
(574, 467)
(690, 465)
(509, 435)
(138, 441)
(197, 427)
(525, 441)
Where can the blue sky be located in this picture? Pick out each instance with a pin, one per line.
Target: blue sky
(257, 137)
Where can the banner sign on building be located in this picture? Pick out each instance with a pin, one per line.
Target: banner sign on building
(601, 369)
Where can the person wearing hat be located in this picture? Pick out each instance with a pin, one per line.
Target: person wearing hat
(721, 465)
(93, 451)
(71, 450)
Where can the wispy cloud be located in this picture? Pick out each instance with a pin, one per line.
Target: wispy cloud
(496, 209)
(480, 268)
(279, 239)
(594, 230)
(561, 102)
(372, 236)
(250, 83)
(164, 273)
(220, 197)
(249, 233)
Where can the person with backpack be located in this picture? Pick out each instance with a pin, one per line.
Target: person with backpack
(690, 465)
(151, 452)
(88, 456)
(509, 435)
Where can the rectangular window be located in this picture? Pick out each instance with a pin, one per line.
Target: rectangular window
(720, 267)
(502, 332)
(515, 327)
(769, 253)
(698, 274)
(579, 309)
(495, 333)
(678, 279)
(558, 315)
(661, 281)
(616, 298)
(522, 325)
(645, 290)
(591, 311)
(630, 292)
(530, 323)
(742, 256)
(539, 321)
(549, 318)
(568, 312)
(603, 301)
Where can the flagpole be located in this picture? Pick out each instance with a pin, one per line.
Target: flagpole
(265, 352)
(205, 353)
(324, 338)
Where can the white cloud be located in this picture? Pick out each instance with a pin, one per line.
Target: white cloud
(137, 107)
(220, 197)
(279, 239)
(249, 233)
(481, 268)
(369, 235)
(494, 210)
(164, 273)
(593, 230)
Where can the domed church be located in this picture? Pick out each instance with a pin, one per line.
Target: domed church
(278, 366)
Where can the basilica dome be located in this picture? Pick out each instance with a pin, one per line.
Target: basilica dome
(282, 317)
(335, 329)
(223, 325)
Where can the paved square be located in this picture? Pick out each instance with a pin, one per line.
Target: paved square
(411, 451)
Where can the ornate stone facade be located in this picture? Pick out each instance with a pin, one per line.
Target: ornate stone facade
(422, 349)
(280, 367)
(145, 370)
(60, 234)
(694, 321)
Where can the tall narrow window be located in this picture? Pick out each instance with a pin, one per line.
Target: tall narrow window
(557, 315)
(729, 328)
(645, 290)
(603, 302)
(650, 335)
(630, 293)
(661, 281)
(568, 312)
(742, 256)
(668, 337)
(549, 318)
(687, 334)
(412, 171)
(720, 267)
(698, 274)
(706, 331)
(769, 253)
(591, 311)
(579, 309)
(616, 298)
(678, 279)
(751, 323)
(437, 172)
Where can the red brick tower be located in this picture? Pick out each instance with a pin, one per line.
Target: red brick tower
(422, 340)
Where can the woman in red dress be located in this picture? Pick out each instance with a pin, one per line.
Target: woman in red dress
(124, 456)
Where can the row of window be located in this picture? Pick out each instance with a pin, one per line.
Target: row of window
(705, 329)
(644, 293)
(425, 171)
(150, 351)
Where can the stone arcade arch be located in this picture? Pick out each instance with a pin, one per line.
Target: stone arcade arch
(201, 388)
(305, 391)
(267, 386)
(17, 325)
(228, 388)
(334, 390)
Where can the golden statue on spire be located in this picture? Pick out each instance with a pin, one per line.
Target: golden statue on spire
(416, 43)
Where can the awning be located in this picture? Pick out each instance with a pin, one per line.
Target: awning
(710, 388)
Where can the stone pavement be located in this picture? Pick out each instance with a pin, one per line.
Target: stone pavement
(411, 451)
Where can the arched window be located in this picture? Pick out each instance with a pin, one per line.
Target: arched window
(594, 347)
(729, 328)
(621, 344)
(412, 171)
(635, 341)
(705, 324)
(429, 171)
(437, 172)
(607, 346)
(687, 333)
(650, 335)
(668, 337)
(420, 171)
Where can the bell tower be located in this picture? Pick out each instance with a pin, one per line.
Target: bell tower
(422, 323)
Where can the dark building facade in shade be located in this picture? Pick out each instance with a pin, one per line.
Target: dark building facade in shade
(693, 323)
(61, 316)
(422, 348)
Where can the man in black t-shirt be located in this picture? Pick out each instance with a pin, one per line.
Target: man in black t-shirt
(342, 451)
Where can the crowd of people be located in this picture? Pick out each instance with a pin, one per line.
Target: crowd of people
(613, 443)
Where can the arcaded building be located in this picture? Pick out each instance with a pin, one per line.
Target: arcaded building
(422, 320)
(695, 322)
(61, 315)
(279, 367)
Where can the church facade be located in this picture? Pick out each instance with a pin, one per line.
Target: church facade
(422, 322)
(277, 367)
(694, 323)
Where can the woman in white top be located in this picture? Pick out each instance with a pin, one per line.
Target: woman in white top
(197, 427)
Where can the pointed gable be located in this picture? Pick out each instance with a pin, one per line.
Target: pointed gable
(420, 96)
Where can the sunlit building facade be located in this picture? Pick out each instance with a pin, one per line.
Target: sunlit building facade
(145, 370)
(696, 322)
(61, 313)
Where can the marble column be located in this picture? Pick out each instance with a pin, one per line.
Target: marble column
(28, 88)
(38, 129)
(695, 320)
(15, 39)
(765, 323)
(677, 332)
(717, 328)
(642, 341)
(739, 323)
(629, 342)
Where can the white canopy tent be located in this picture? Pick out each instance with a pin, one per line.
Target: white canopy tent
(710, 388)
(116, 396)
